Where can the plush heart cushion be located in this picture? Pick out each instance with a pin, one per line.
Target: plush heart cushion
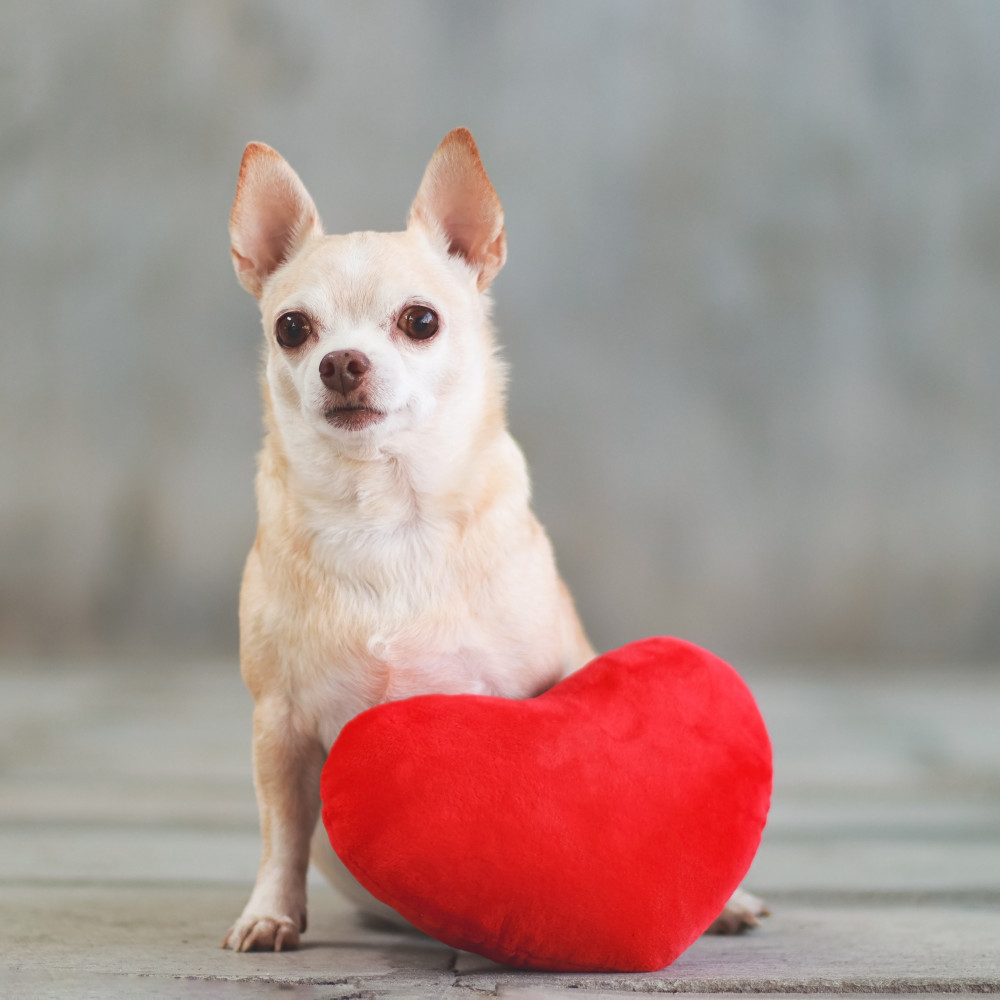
(601, 826)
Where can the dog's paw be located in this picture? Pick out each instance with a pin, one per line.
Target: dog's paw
(256, 932)
(742, 912)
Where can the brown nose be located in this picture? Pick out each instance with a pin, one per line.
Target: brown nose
(343, 371)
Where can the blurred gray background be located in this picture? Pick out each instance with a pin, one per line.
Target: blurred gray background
(750, 308)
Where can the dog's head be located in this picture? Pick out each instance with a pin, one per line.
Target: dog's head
(371, 336)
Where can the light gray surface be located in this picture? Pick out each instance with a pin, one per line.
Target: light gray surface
(843, 949)
(173, 931)
(128, 843)
(543, 993)
(750, 302)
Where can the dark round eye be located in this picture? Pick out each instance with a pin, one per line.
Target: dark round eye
(292, 329)
(418, 322)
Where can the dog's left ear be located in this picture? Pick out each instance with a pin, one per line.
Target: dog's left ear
(457, 198)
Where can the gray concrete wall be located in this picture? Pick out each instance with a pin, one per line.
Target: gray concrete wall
(750, 306)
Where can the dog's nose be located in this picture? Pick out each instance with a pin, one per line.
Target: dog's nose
(343, 371)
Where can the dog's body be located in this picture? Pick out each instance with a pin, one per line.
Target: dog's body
(397, 553)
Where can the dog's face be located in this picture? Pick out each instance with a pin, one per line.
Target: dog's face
(370, 335)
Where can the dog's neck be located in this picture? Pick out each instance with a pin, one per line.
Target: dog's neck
(450, 467)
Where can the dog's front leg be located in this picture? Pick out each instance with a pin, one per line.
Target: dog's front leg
(287, 763)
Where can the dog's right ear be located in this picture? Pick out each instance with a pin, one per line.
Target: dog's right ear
(272, 216)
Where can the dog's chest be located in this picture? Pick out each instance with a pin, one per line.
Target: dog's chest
(408, 610)
(411, 614)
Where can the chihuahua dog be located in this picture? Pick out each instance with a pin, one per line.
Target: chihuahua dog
(396, 552)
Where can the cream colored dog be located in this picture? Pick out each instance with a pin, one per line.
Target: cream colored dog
(396, 553)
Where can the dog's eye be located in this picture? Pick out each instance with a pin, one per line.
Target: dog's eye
(418, 322)
(292, 329)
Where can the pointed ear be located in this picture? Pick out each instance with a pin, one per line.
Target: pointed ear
(457, 198)
(272, 216)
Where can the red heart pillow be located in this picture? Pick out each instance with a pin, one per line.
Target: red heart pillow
(601, 826)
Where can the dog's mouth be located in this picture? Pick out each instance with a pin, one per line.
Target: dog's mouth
(353, 418)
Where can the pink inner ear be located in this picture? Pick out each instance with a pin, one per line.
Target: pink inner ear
(274, 235)
(457, 196)
(275, 229)
(474, 234)
(461, 237)
(271, 216)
